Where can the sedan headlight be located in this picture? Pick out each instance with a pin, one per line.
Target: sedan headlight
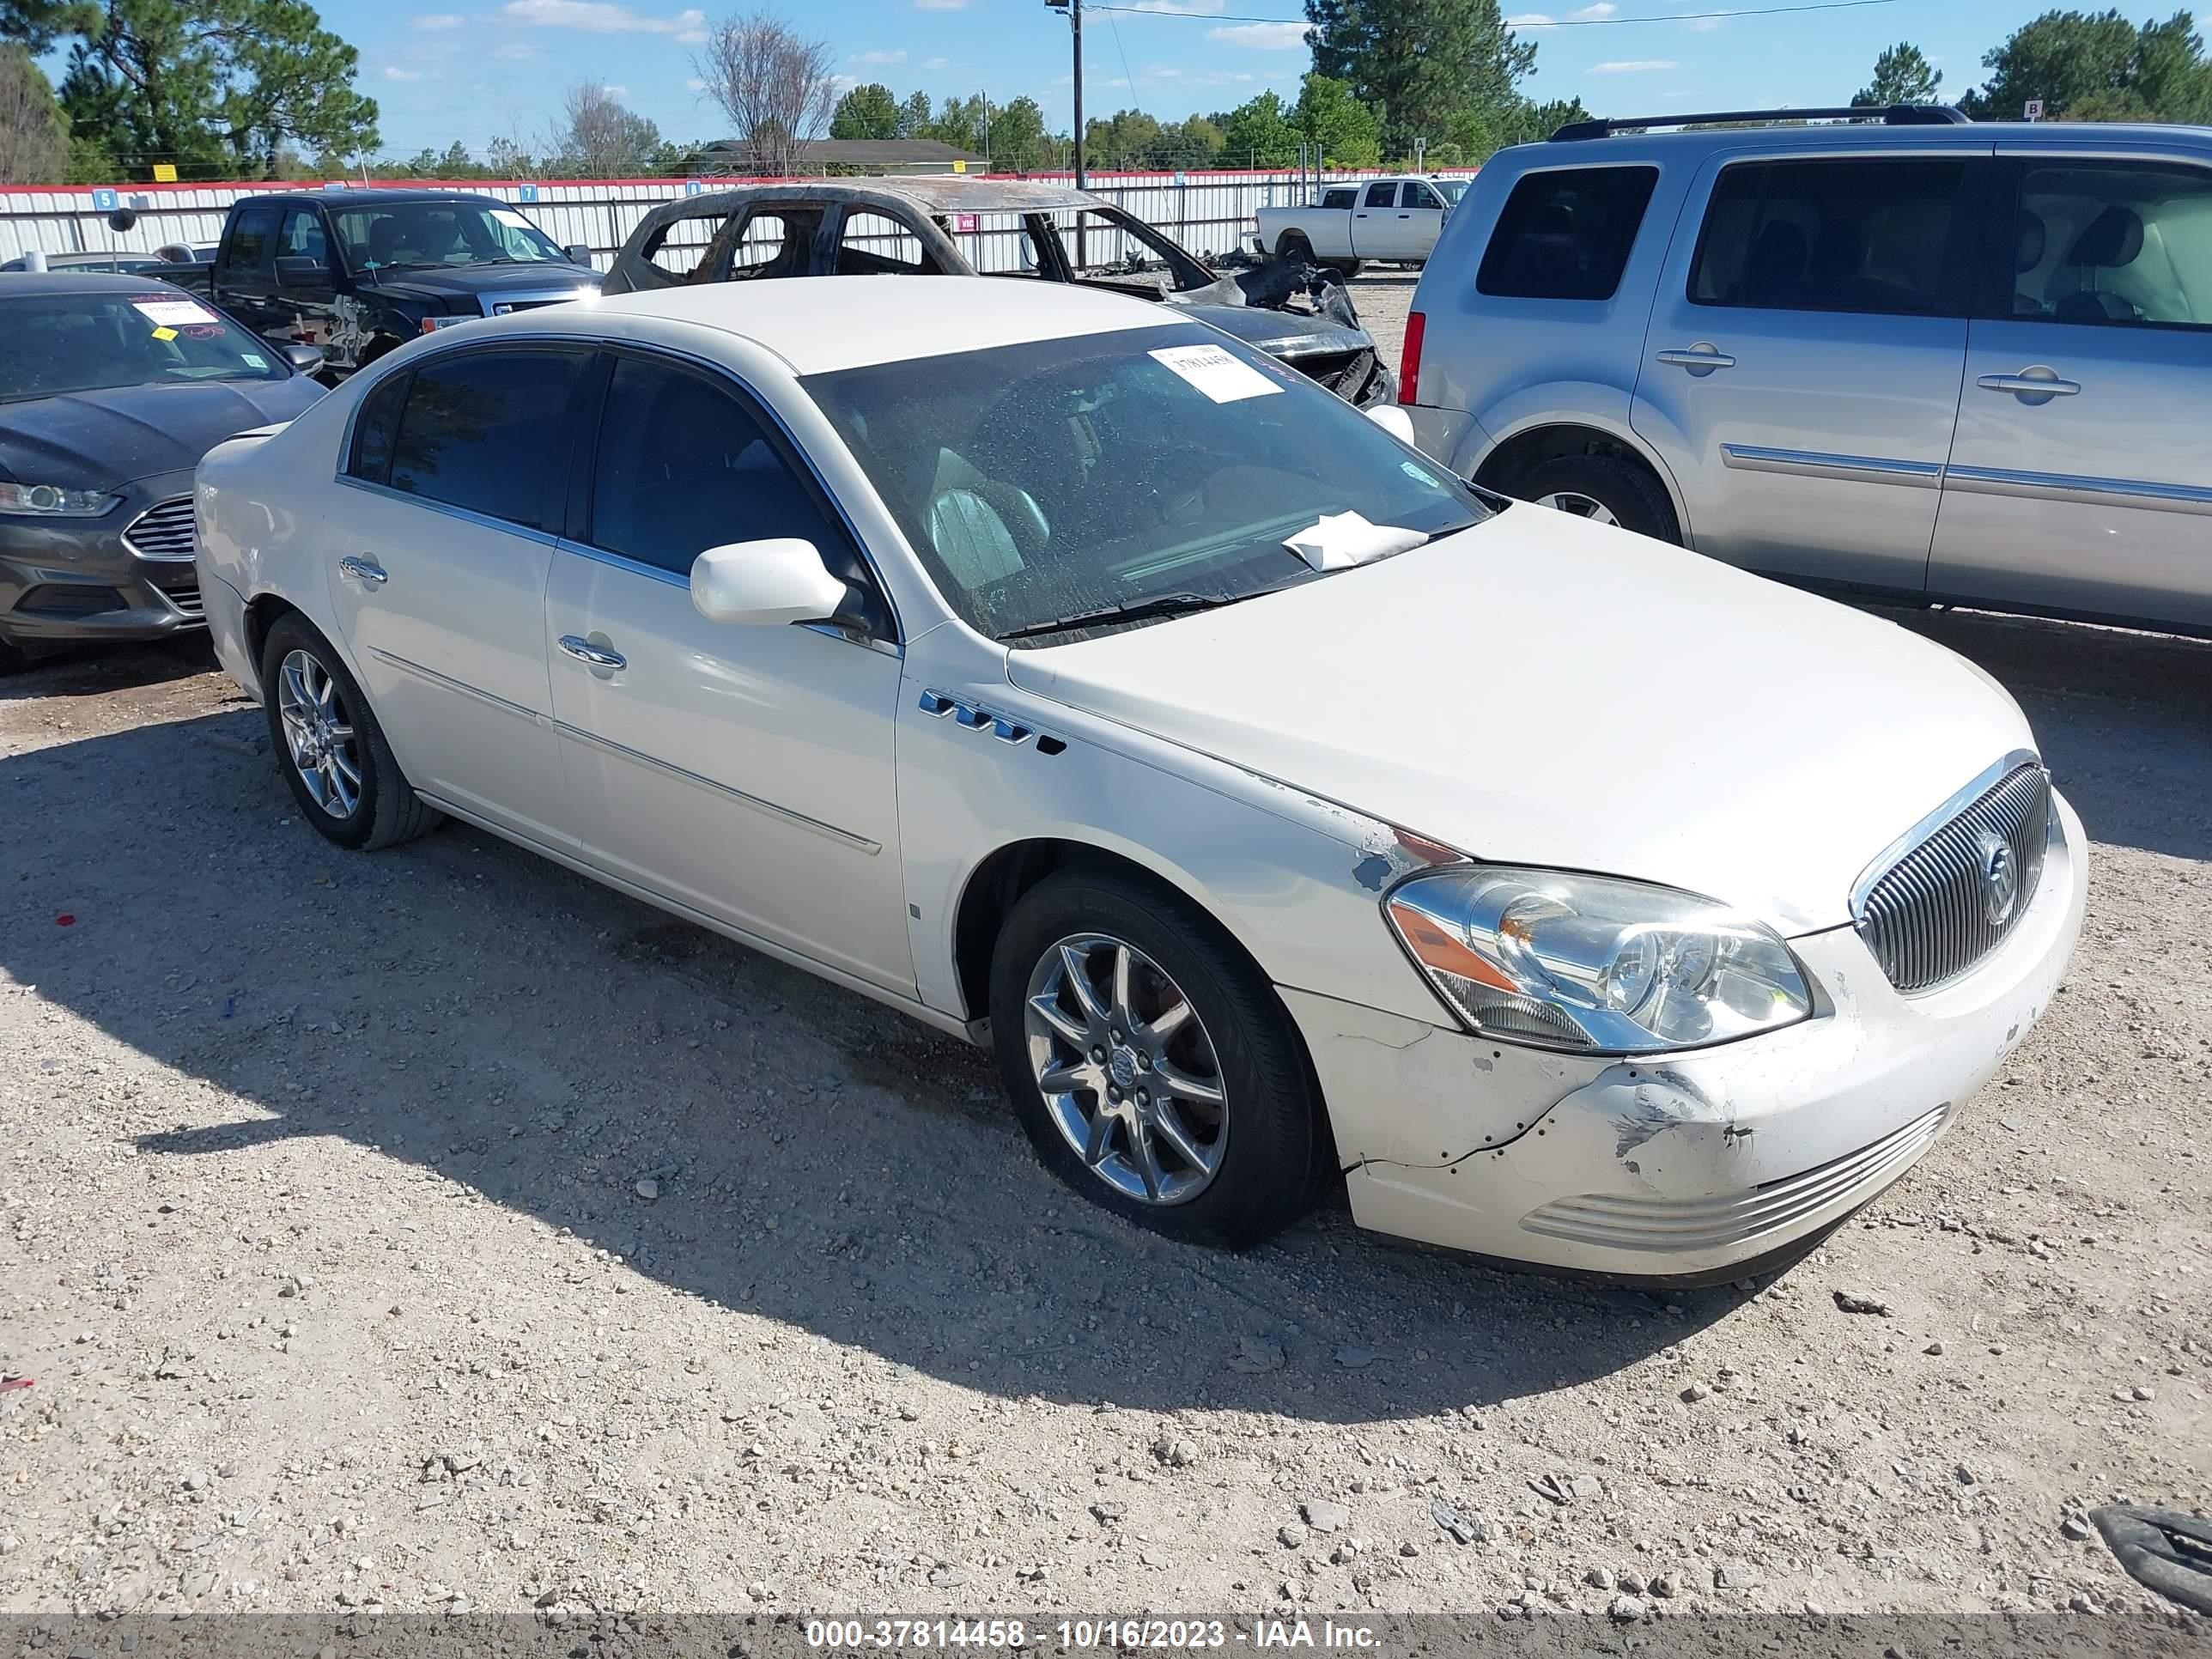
(52, 502)
(1592, 964)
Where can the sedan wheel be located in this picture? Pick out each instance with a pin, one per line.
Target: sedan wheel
(1127, 1069)
(319, 733)
(1583, 506)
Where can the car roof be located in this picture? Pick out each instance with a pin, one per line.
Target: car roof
(818, 324)
(356, 198)
(15, 284)
(2060, 135)
(934, 193)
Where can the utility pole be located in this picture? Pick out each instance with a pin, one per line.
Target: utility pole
(1074, 10)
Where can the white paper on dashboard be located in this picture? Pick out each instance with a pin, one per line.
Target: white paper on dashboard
(1215, 373)
(167, 312)
(1337, 539)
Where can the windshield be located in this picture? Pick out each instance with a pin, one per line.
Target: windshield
(1064, 478)
(397, 233)
(1450, 189)
(57, 342)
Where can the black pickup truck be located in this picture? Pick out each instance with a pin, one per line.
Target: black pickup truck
(358, 272)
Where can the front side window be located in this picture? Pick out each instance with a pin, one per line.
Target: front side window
(682, 247)
(1566, 235)
(56, 342)
(482, 431)
(249, 239)
(1847, 234)
(1059, 478)
(684, 466)
(2114, 243)
(1420, 196)
(779, 242)
(303, 237)
(872, 242)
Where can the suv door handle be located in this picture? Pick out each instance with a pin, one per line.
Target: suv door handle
(363, 570)
(1701, 358)
(598, 656)
(2038, 383)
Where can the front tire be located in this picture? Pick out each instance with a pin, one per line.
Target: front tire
(329, 747)
(1153, 1067)
(1605, 489)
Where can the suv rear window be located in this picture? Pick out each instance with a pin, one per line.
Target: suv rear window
(1856, 235)
(1565, 234)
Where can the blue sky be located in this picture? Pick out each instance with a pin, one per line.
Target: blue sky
(489, 68)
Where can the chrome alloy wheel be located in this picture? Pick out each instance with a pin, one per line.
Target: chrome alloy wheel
(319, 732)
(1127, 1069)
(1581, 506)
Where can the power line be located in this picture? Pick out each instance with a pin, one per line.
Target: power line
(1555, 23)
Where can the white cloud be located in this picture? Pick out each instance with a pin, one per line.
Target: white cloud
(617, 93)
(1602, 10)
(1632, 66)
(940, 5)
(601, 17)
(518, 52)
(1181, 8)
(695, 84)
(1703, 25)
(1263, 37)
(879, 57)
(441, 19)
(391, 72)
(936, 63)
(1530, 19)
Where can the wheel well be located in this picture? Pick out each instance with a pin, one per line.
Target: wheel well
(261, 615)
(1506, 466)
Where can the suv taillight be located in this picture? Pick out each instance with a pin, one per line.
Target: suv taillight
(1409, 360)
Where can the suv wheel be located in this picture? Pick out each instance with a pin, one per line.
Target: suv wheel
(1154, 1070)
(1605, 489)
(330, 748)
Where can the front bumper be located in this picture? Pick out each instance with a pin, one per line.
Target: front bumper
(1684, 1166)
(65, 580)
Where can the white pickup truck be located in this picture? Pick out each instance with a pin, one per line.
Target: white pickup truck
(1393, 219)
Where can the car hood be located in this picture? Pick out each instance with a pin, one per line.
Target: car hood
(98, 439)
(466, 282)
(1538, 690)
(1289, 334)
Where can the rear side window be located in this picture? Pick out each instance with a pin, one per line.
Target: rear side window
(2113, 245)
(249, 239)
(477, 432)
(373, 431)
(1566, 235)
(1339, 198)
(1382, 194)
(870, 243)
(1853, 235)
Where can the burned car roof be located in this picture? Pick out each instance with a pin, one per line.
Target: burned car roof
(939, 192)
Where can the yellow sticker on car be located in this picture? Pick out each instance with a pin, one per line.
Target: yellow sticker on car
(165, 333)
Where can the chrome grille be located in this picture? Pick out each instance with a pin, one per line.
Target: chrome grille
(163, 530)
(185, 598)
(1931, 915)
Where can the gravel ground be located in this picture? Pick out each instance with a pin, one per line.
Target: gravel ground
(385, 1231)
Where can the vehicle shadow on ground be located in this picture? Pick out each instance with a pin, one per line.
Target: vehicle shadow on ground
(89, 670)
(474, 1010)
(2124, 719)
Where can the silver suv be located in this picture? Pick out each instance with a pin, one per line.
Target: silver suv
(1914, 356)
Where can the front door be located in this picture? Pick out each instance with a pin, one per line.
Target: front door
(303, 298)
(438, 573)
(243, 281)
(1420, 219)
(2082, 477)
(1801, 374)
(743, 771)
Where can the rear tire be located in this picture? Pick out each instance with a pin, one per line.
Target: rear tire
(1346, 268)
(1293, 245)
(1178, 1014)
(329, 747)
(1606, 489)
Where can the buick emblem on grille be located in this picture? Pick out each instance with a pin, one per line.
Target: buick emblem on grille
(2000, 878)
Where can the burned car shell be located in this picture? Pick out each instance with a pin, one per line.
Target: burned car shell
(1321, 337)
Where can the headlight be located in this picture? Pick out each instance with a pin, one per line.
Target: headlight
(52, 502)
(1588, 962)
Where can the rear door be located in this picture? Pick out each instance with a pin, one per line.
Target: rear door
(1375, 222)
(1801, 374)
(2082, 477)
(439, 573)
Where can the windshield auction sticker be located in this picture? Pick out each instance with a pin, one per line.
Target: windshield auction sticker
(1215, 373)
(165, 312)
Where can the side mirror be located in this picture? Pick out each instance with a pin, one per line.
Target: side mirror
(579, 254)
(1392, 420)
(770, 583)
(297, 271)
(307, 359)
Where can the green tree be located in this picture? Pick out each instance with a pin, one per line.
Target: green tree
(2098, 66)
(1017, 135)
(913, 115)
(1476, 134)
(1327, 114)
(35, 24)
(1901, 76)
(1259, 133)
(1420, 63)
(865, 111)
(1128, 138)
(34, 134)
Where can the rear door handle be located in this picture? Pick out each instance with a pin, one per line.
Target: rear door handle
(363, 570)
(2040, 385)
(598, 656)
(1701, 358)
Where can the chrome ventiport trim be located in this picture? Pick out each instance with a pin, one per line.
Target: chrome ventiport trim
(976, 717)
(1812, 463)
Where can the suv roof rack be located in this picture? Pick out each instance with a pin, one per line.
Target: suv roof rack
(1894, 115)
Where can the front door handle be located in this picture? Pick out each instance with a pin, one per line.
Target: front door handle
(363, 570)
(1700, 359)
(598, 656)
(2038, 384)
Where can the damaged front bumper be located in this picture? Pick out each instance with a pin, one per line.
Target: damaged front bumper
(1688, 1166)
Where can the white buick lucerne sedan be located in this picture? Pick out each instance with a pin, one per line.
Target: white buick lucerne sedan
(1066, 674)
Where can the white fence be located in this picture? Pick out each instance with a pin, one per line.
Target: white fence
(1208, 213)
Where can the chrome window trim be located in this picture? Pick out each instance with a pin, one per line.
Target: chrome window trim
(467, 514)
(1911, 839)
(2068, 487)
(1809, 462)
(628, 566)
